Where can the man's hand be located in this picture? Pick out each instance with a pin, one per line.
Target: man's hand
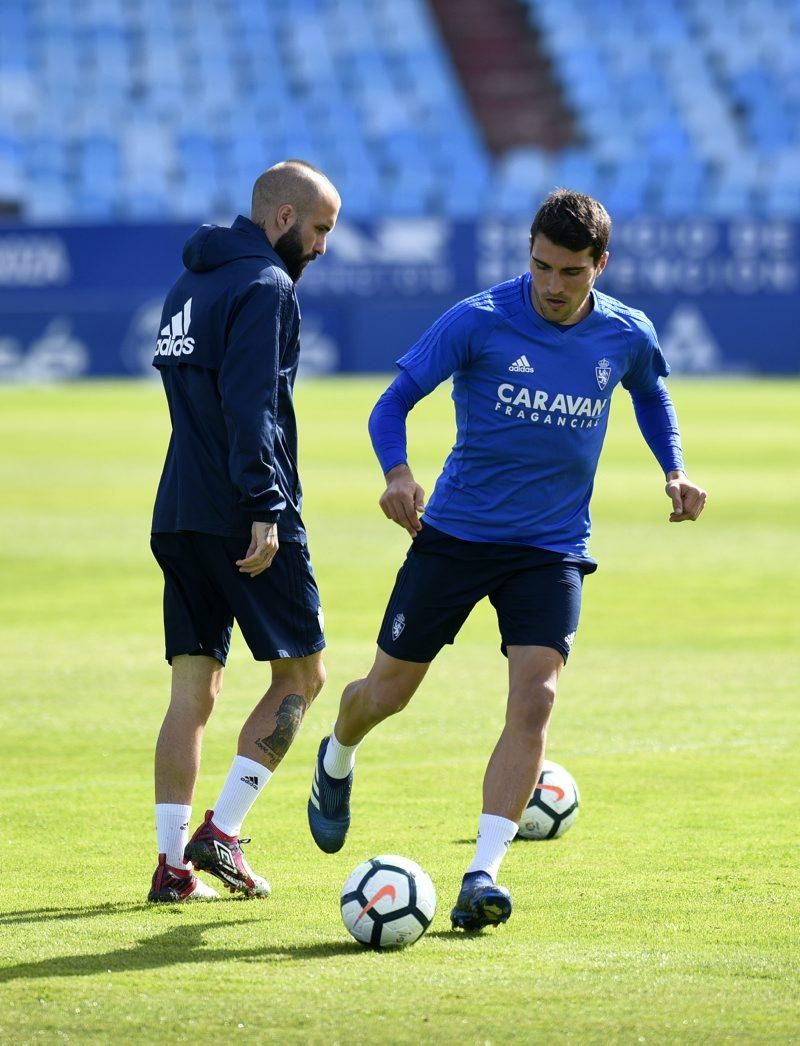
(688, 499)
(263, 549)
(403, 500)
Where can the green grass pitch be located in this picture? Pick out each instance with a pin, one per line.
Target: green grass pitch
(668, 913)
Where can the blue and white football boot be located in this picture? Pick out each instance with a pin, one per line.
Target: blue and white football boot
(480, 903)
(329, 806)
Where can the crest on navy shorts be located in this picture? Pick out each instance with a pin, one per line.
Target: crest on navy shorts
(398, 625)
(603, 372)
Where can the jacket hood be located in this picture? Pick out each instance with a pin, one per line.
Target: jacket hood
(215, 245)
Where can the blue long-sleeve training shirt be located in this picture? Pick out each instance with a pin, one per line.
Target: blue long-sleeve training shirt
(532, 401)
(227, 352)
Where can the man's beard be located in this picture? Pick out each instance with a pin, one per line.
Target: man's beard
(289, 248)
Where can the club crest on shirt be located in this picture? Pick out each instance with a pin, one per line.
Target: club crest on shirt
(603, 372)
(398, 625)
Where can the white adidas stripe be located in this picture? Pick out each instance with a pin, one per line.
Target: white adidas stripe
(522, 364)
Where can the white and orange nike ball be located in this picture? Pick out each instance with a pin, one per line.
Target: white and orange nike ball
(388, 902)
(553, 806)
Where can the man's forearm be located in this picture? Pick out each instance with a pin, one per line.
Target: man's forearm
(387, 422)
(658, 423)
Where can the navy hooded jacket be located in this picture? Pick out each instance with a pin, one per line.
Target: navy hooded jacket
(227, 353)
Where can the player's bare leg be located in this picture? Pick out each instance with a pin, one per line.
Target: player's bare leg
(264, 740)
(386, 690)
(516, 762)
(196, 683)
(273, 724)
(510, 776)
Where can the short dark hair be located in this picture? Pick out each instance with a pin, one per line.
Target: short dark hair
(573, 220)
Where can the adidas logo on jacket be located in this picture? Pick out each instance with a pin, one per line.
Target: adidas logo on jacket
(174, 340)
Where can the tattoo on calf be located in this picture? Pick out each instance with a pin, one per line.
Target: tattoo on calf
(287, 723)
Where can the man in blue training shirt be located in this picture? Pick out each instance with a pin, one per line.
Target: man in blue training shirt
(534, 362)
(227, 528)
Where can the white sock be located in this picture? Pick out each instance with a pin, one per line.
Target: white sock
(339, 759)
(172, 831)
(242, 787)
(494, 837)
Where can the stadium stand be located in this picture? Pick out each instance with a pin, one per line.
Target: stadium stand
(163, 109)
(687, 105)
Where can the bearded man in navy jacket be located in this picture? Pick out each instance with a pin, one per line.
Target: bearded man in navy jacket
(227, 530)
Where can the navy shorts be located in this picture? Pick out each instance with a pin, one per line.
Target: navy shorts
(536, 594)
(277, 611)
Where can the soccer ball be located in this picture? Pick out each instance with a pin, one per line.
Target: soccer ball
(388, 901)
(553, 806)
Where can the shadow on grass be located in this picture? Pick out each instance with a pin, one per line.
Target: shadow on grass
(43, 915)
(457, 935)
(178, 946)
(89, 911)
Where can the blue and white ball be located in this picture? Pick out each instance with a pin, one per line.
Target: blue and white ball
(388, 902)
(553, 806)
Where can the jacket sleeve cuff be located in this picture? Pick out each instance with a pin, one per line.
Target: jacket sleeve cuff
(260, 515)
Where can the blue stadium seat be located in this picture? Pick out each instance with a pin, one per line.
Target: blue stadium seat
(781, 201)
(113, 106)
(46, 200)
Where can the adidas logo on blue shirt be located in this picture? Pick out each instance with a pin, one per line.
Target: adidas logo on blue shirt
(521, 366)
